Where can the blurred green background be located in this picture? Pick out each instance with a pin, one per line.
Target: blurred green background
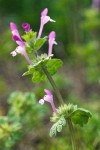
(78, 36)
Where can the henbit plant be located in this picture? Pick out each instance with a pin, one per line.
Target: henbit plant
(42, 66)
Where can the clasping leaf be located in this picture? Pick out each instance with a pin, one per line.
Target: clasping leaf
(80, 116)
(57, 127)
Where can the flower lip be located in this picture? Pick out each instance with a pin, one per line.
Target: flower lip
(41, 101)
(44, 12)
(13, 53)
(26, 26)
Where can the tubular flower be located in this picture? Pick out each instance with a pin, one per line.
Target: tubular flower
(26, 26)
(51, 41)
(21, 45)
(44, 19)
(49, 98)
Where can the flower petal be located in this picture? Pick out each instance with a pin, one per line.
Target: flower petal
(26, 26)
(16, 38)
(44, 12)
(51, 20)
(48, 92)
(44, 19)
(20, 50)
(41, 101)
(51, 41)
(13, 53)
(48, 98)
(13, 26)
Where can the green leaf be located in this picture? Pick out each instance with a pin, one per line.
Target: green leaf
(57, 127)
(52, 65)
(39, 43)
(33, 43)
(29, 35)
(38, 76)
(80, 116)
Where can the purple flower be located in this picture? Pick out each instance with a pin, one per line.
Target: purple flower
(96, 4)
(51, 41)
(44, 20)
(26, 26)
(21, 45)
(49, 98)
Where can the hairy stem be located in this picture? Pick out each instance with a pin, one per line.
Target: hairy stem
(62, 102)
(71, 134)
(53, 84)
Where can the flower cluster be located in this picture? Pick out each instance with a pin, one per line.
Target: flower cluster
(21, 48)
(21, 45)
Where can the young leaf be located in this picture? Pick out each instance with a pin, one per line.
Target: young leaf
(29, 35)
(53, 65)
(80, 116)
(36, 69)
(33, 43)
(57, 127)
(38, 76)
(39, 42)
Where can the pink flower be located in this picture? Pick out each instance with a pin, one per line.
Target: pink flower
(51, 42)
(96, 4)
(26, 26)
(21, 45)
(49, 98)
(44, 20)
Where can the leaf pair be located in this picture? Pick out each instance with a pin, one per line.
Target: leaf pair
(78, 116)
(52, 65)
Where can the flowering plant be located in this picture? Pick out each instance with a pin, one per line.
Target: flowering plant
(44, 66)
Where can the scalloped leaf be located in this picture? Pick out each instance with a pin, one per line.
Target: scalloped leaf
(36, 70)
(29, 35)
(80, 116)
(39, 43)
(38, 76)
(53, 65)
(57, 127)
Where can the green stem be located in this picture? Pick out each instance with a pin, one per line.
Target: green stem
(62, 102)
(53, 84)
(71, 134)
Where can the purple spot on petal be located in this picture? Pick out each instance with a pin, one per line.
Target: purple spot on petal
(16, 38)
